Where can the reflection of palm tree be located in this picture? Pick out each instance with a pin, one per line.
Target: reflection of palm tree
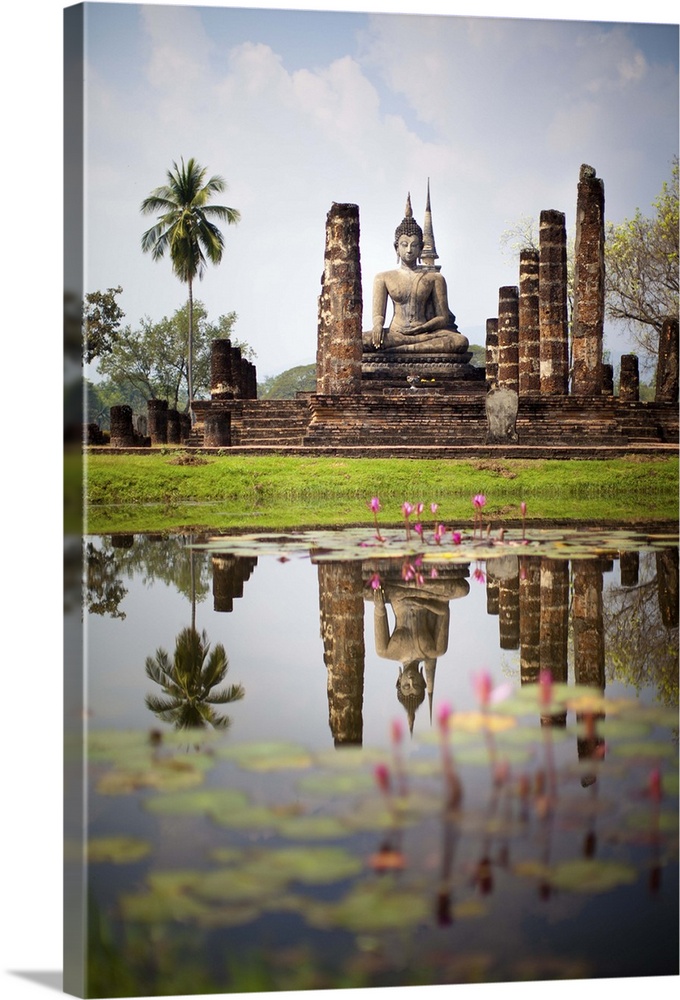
(188, 681)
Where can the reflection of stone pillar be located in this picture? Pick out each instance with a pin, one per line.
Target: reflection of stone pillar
(552, 290)
(588, 318)
(607, 380)
(229, 575)
(341, 603)
(221, 378)
(667, 583)
(588, 646)
(667, 366)
(157, 413)
(508, 613)
(491, 359)
(629, 566)
(554, 625)
(528, 323)
(530, 620)
(629, 386)
(339, 344)
(122, 432)
(491, 595)
(508, 333)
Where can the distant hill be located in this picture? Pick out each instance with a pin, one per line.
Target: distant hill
(302, 378)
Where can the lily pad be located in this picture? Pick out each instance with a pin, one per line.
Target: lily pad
(268, 756)
(117, 850)
(202, 802)
(311, 827)
(371, 908)
(644, 749)
(313, 865)
(592, 876)
(339, 783)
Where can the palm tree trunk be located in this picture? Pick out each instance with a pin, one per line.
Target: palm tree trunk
(190, 366)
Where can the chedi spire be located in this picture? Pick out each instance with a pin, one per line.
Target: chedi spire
(429, 254)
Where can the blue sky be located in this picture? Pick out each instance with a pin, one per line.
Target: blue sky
(299, 109)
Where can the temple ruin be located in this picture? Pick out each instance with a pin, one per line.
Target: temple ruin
(408, 386)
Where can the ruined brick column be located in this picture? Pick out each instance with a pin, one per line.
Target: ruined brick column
(157, 415)
(629, 567)
(588, 629)
(607, 379)
(251, 380)
(221, 377)
(508, 613)
(491, 351)
(341, 605)
(174, 428)
(629, 385)
(530, 620)
(588, 318)
(339, 345)
(554, 627)
(122, 433)
(491, 595)
(229, 576)
(184, 426)
(237, 372)
(528, 323)
(508, 338)
(217, 429)
(552, 293)
(667, 366)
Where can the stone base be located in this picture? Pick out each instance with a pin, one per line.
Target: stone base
(437, 373)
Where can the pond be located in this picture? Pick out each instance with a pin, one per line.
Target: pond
(327, 759)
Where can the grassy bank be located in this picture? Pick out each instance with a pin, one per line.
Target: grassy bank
(161, 491)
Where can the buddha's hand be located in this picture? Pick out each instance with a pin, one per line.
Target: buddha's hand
(378, 334)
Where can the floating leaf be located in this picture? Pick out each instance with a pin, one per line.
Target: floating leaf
(117, 850)
(244, 816)
(371, 908)
(268, 756)
(336, 784)
(160, 907)
(586, 875)
(644, 749)
(314, 865)
(311, 828)
(665, 821)
(205, 801)
(476, 722)
(243, 884)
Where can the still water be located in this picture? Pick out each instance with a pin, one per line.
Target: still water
(307, 771)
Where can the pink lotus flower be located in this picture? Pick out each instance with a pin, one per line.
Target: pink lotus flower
(478, 575)
(456, 537)
(407, 572)
(523, 508)
(545, 683)
(443, 716)
(375, 582)
(433, 573)
(382, 777)
(483, 686)
(375, 507)
(420, 507)
(375, 504)
(439, 533)
(655, 787)
(479, 501)
(397, 731)
(434, 507)
(418, 528)
(407, 509)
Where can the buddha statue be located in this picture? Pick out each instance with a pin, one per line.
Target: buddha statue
(422, 322)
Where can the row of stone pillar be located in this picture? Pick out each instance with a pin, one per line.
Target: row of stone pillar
(527, 344)
(163, 426)
(231, 375)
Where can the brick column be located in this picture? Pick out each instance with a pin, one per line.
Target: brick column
(607, 380)
(529, 342)
(491, 351)
(530, 620)
(221, 377)
(588, 319)
(122, 433)
(508, 334)
(174, 428)
(667, 366)
(588, 629)
(629, 385)
(339, 344)
(667, 586)
(237, 372)
(157, 415)
(552, 291)
(341, 605)
(229, 576)
(217, 429)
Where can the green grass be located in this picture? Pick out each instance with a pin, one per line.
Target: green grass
(151, 492)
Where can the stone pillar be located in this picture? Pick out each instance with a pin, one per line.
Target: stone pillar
(236, 372)
(157, 415)
(528, 322)
(251, 380)
(554, 626)
(552, 291)
(221, 378)
(629, 385)
(341, 604)
(339, 344)
(491, 351)
(217, 429)
(530, 620)
(667, 366)
(122, 432)
(174, 428)
(508, 334)
(184, 426)
(607, 380)
(588, 319)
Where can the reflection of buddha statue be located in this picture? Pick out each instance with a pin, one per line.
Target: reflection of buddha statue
(422, 321)
(420, 633)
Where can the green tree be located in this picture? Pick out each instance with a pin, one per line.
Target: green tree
(302, 378)
(186, 231)
(151, 362)
(188, 681)
(641, 257)
(101, 322)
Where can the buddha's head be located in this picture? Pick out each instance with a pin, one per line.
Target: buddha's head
(408, 232)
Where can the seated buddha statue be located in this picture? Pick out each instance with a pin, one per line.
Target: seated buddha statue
(422, 322)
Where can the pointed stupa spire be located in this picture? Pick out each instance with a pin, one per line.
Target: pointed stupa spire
(429, 254)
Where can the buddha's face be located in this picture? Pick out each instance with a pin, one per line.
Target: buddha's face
(408, 249)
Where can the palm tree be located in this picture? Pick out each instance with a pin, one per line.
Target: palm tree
(188, 682)
(184, 229)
